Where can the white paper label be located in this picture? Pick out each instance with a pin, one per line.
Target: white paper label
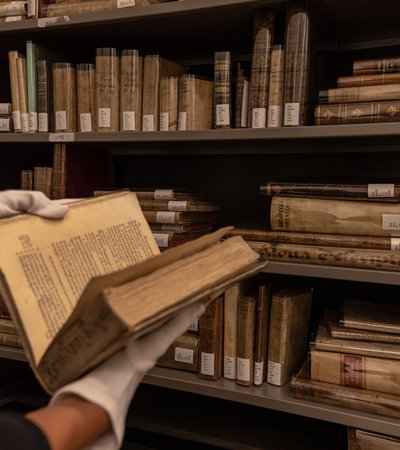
(161, 239)
(61, 120)
(148, 122)
(207, 363)
(174, 205)
(125, 3)
(43, 122)
(165, 217)
(24, 122)
(163, 194)
(274, 373)
(274, 116)
(16, 115)
(164, 121)
(4, 124)
(184, 355)
(258, 373)
(243, 369)
(48, 21)
(85, 120)
(292, 114)
(230, 367)
(61, 137)
(14, 18)
(245, 105)
(104, 117)
(391, 222)
(5, 108)
(182, 121)
(31, 8)
(381, 190)
(395, 244)
(259, 118)
(128, 121)
(33, 121)
(194, 326)
(222, 114)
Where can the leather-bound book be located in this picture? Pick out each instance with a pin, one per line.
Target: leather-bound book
(222, 90)
(169, 103)
(182, 354)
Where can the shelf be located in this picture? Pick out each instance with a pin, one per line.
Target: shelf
(271, 397)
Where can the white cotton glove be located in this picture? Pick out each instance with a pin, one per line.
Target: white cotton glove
(112, 384)
(13, 202)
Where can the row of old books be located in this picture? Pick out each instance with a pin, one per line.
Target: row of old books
(371, 94)
(355, 358)
(351, 225)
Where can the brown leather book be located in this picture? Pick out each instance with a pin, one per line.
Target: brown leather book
(368, 80)
(376, 65)
(241, 98)
(177, 205)
(179, 217)
(182, 354)
(353, 94)
(169, 102)
(168, 239)
(275, 90)
(231, 300)
(222, 90)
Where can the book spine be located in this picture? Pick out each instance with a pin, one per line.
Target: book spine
(44, 89)
(15, 101)
(329, 256)
(150, 95)
(246, 327)
(368, 80)
(169, 89)
(32, 85)
(27, 179)
(263, 38)
(363, 372)
(371, 191)
(351, 217)
(42, 177)
(23, 93)
(64, 97)
(131, 91)
(4, 312)
(297, 63)
(183, 354)
(222, 90)
(107, 90)
(66, 9)
(231, 299)
(241, 99)
(356, 94)
(59, 182)
(186, 102)
(361, 112)
(11, 340)
(275, 92)
(211, 340)
(376, 66)
(85, 80)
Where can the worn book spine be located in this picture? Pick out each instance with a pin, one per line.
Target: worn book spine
(59, 182)
(275, 91)
(4, 312)
(368, 80)
(14, 8)
(15, 101)
(11, 340)
(288, 333)
(32, 85)
(131, 90)
(368, 440)
(182, 354)
(303, 387)
(297, 63)
(361, 112)
(182, 228)
(222, 90)
(23, 93)
(211, 340)
(231, 299)
(179, 217)
(168, 239)
(241, 99)
(376, 66)
(351, 217)
(42, 179)
(354, 94)
(246, 328)
(27, 179)
(44, 88)
(64, 97)
(169, 103)
(85, 80)
(71, 8)
(177, 205)
(6, 124)
(263, 39)
(363, 372)
(107, 89)
(368, 191)
(8, 326)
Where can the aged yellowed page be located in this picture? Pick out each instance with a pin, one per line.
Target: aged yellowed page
(51, 251)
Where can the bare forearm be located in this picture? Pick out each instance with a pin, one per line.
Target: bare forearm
(72, 423)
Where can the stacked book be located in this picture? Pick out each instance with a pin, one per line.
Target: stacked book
(371, 94)
(13, 11)
(8, 332)
(355, 358)
(351, 225)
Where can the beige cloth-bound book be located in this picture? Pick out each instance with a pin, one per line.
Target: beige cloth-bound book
(131, 90)
(169, 101)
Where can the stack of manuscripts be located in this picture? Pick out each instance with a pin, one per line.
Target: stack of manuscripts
(355, 358)
(8, 332)
(350, 225)
(371, 94)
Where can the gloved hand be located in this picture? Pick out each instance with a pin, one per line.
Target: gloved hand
(113, 383)
(13, 202)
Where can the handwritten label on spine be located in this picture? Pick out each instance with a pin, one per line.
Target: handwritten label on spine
(61, 137)
(128, 121)
(43, 122)
(33, 121)
(222, 114)
(125, 3)
(85, 120)
(163, 194)
(274, 116)
(274, 373)
(14, 18)
(258, 373)
(259, 117)
(174, 205)
(148, 122)
(184, 355)
(292, 114)
(61, 120)
(16, 116)
(164, 121)
(243, 369)
(165, 217)
(395, 244)
(352, 371)
(230, 367)
(207, 363)
(4, 124)
(5, 108)
(24, 122)
(381, 190)
(104, 117)
(194, 326)
(161, 239)
(391, 222)
(182, 118)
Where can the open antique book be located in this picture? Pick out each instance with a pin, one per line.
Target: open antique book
(79, 288)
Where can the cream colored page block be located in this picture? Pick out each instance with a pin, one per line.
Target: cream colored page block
(48, 266)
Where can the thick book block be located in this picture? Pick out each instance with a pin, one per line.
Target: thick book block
(288, 333)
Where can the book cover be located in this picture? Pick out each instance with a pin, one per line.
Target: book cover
(85, 96)
(211, 340)
(169, 103)
(222, 90)
(288, 333)
(131, 90)
(64, 97)
(275, 90)
(86, 319)
(183, 354)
